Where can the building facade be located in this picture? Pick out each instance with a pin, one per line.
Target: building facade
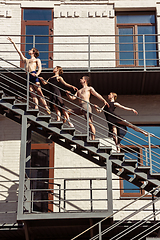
(61, 191)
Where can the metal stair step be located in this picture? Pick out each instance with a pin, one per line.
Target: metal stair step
(69, 130)
(45, 118)
(94, 143)
(104, 149)
(130, 162)
(143, 168)
(156, 175)
(9, 99)
(22, 106)
(116, 155)
(57, 124)
(81, 136)
(33, 111)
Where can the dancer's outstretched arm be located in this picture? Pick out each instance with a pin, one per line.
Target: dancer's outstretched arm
(60, 79)
(19, 52)
(71, 97)
(98, 95)
(125, 108)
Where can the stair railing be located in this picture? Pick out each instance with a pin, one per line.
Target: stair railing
(149, 153)
(102, 45)
(101, 233)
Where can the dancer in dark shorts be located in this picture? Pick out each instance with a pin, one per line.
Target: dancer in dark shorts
(56, 100)
(84, 94)
(112, 118)
(30, 66)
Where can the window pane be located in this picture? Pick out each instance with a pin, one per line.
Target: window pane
(126, 54)
(136, 19)
(129, 187)
(38, 14)
(41, 42)
(150, 46)
(155, 151)
(138, 137)
(40, 158)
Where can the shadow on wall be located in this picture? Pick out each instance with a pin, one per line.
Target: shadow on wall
(10, 130)
(9, 183)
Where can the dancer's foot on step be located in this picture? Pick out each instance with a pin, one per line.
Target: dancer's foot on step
(71, 124)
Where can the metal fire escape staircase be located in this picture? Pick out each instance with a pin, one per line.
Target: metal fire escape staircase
(15, 104)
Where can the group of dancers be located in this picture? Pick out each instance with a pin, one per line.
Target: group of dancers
(117, 125)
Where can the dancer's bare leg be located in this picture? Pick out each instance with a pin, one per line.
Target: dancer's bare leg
(33, 96)
(37, 87)
(116, 138)
(127, 124)
(92, 128)
(58, 113)
(66, 117)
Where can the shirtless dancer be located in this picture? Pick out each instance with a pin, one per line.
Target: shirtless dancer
(85, 93)
(31, 65)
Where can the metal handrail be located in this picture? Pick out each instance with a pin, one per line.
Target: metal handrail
(111, 215)
(130, 148)
(108, 46)
(134, 226)
(101, 135)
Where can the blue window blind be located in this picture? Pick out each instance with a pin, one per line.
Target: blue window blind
(148, 18)
(37, 14)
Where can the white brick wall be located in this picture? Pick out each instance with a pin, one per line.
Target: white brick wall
(75, 18)
(10, 26)
(9, 169)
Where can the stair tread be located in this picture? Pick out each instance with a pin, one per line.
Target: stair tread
(68, 128)
(130, 160)
(56, 122)
(93, 141)
(155, 174)
(9, 97)
(104, 147)
(80, 135)
(44, 116)
(33, 111)
(143, 167)
(19, 104)
(117, 154)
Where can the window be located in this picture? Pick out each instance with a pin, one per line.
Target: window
(136, 39)
(37, 26)
(142, 156)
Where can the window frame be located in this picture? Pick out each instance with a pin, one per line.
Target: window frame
(25, 23)
(131, 194)
(135, 36)
(51, 148)
(142, 192)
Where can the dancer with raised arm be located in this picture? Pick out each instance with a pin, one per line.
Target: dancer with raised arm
(31, 65)
(56, 100)
(112, 118)
(84, 94)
